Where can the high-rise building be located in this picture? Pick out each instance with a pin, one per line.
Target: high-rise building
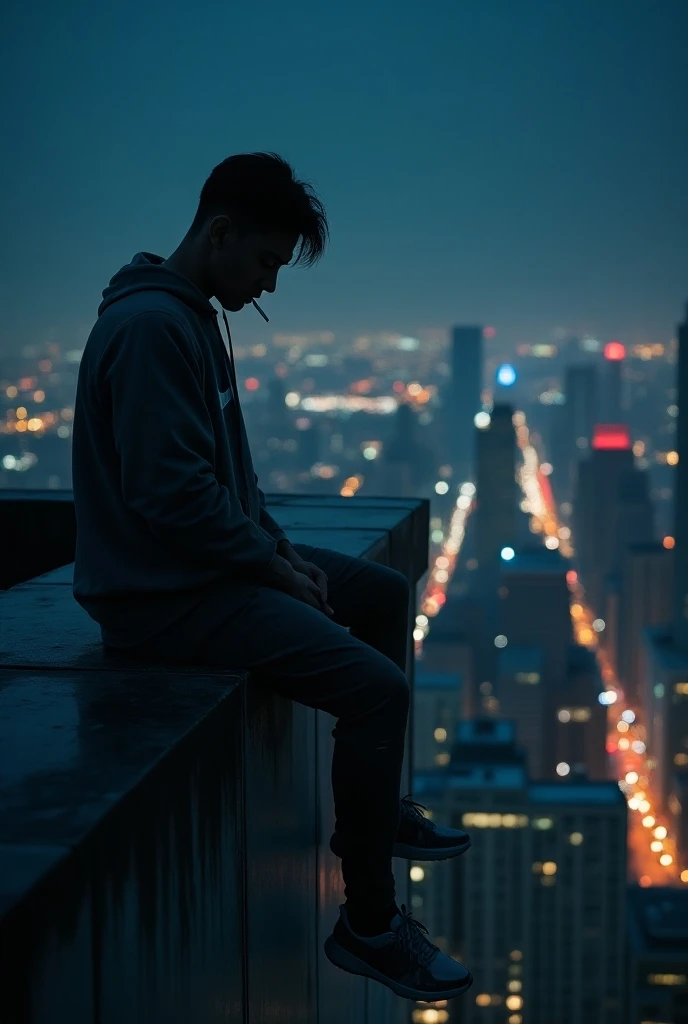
(497, 490)
(546, 684)
(574, 426)
(535, 608)
(522, 699)
(614, 406)
(495, 527)
(580, 733)
(447, 649)
(678, 809)
(645, 599)
(407, 463)
(665, 700)
(680, 616)
(464, 397)
(612, 510)
(658, 955)
(436, 713)
(665, 682)
(538, 907)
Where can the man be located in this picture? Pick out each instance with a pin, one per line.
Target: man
(177, 556)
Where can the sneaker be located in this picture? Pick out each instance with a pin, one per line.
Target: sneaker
(418, 838)
(402, 959)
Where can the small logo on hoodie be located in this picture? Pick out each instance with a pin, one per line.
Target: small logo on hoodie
(225, 397)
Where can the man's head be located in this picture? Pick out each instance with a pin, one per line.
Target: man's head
(252, 215)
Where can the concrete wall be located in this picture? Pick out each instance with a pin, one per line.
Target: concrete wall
(164, 833)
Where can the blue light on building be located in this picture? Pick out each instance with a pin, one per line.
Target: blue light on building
(506, 375)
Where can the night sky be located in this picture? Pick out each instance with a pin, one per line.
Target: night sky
(522, 164)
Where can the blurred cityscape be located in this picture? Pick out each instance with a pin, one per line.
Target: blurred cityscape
(551, 636)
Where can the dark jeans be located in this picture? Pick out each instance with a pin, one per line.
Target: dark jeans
(357, 676)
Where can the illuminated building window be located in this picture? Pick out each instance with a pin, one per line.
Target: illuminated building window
(440, 735)
(483, 999)
(443, 759)
(543, 823)
(549, 868)
(515, 954)
(681, 759)
(576, 838)
(515, 986)
(667, 979)
(574, 714)
(528, 677)
(480, 819)
(681, 688)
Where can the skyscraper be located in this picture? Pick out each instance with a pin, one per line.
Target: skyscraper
(538, 907)
(436, 712)
(497, 490)
(547, 685)
(681, 497)
(665, 684)
(613, 404)
(495, 527)
(645, 600)
(612, 510)
(658, 955)
(464, 397)
(407, 463)
(575, 423)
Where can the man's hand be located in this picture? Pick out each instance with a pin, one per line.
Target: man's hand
(283, 576)
(309, 569)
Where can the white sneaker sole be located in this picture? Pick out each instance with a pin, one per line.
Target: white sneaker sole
(423, 853)
(345, 960)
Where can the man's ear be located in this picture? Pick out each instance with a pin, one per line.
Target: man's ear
(219, 230)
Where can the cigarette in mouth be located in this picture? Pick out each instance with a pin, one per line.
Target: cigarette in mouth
(265, 318)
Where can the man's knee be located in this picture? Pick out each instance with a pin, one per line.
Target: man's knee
(393, 588)
(396, 686)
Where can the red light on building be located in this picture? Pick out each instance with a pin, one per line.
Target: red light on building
(252, 384)
(611, 437)
(614, 351)
(489, 332)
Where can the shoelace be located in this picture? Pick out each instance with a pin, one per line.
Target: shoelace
(411, 939)
(415, 811)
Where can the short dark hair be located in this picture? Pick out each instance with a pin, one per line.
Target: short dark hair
(262, 193)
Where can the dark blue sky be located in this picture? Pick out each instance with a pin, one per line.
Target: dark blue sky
(516, 163)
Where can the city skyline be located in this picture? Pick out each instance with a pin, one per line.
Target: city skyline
(517, 167)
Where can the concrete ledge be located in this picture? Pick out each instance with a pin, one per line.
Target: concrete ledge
(164, 830)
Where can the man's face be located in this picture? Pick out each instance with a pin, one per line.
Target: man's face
(243, 266)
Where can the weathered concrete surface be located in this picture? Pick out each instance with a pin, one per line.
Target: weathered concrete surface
(164, 831)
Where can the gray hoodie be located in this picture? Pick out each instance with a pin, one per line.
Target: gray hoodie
(165, 494)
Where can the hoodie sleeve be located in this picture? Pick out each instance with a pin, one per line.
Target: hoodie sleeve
(164, 439)
(266, 520)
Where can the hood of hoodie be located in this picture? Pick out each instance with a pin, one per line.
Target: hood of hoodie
(148, 273)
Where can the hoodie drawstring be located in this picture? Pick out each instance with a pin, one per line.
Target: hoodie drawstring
(238, 414)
